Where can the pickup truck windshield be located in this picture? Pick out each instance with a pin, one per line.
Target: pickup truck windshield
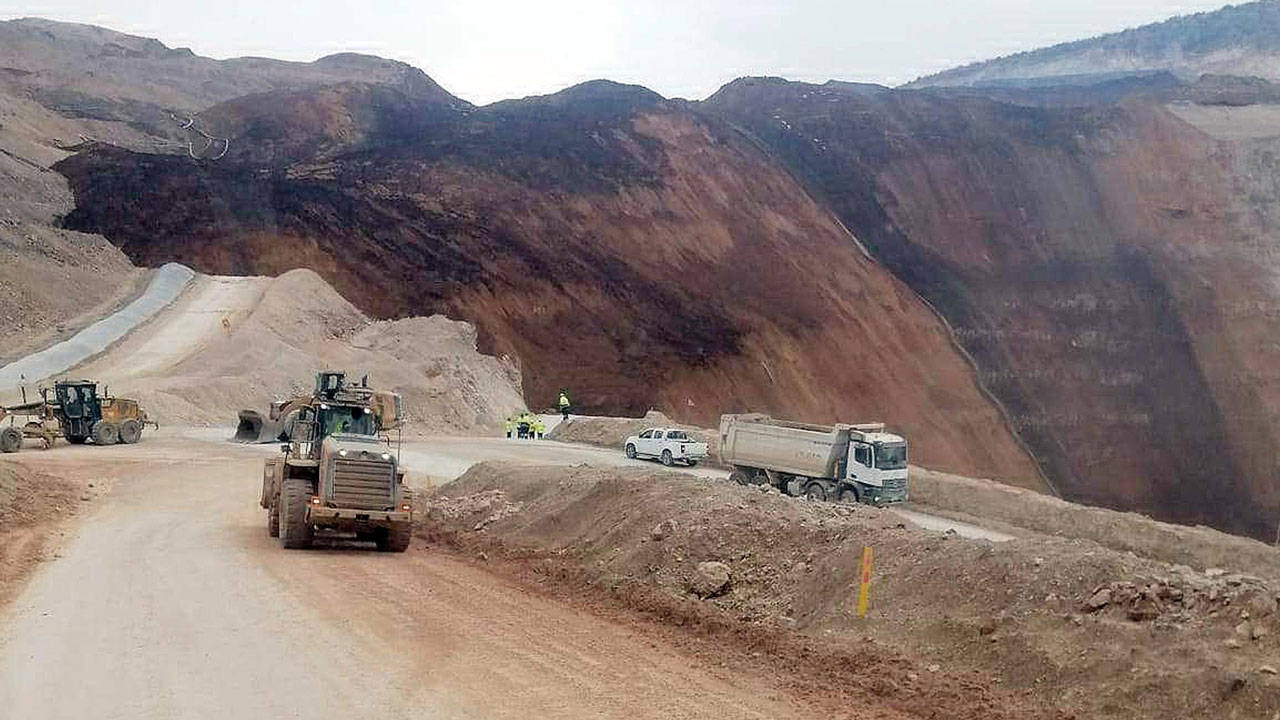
(891, 457)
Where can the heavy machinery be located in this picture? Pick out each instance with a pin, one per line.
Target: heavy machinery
(77, 411)
(846, 463)
(337, 471)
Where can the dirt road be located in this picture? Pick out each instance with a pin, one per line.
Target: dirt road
(171, 602)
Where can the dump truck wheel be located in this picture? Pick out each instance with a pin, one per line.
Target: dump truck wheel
(396, 538)
(849, 496)
(815, 491)
(295, 532)
(130, 431)
(273, 521)
(740, 477)
(10, 440)
(666, 458)
(104, 433)
(631, 451)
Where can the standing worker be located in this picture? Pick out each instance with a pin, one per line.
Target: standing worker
(510, 425)
(564, 403)
(539, 427)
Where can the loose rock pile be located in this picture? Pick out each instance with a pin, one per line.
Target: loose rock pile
(1185, 594)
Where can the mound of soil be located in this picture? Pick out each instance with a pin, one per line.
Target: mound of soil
(285, 330)
(33, 508)
(1028, 614)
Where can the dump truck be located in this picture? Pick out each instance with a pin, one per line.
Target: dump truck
(78, 412)
(337, 472)
(844, 463)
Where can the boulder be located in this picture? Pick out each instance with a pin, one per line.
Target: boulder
(710, 579)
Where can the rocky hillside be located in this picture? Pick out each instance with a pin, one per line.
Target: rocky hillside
(1108, 266)
(633, 250)
(1102, 252)
(1236, 40)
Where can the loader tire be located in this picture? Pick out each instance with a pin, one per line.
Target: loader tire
(273, 521)
(130, 432)
(667, 459)
(10, 440)
(105, 433)
(631, 451)
(395, 538)
(295, 532)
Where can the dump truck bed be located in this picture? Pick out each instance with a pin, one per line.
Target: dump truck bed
(758, 441)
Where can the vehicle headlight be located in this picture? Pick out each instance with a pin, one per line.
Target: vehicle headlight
(386, 456)
(368, 411)
(342, 453)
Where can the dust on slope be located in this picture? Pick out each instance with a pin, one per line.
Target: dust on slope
(186, 368)
(1026, 614)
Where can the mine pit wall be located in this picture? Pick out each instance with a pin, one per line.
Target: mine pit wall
(1110, 271)
(719, 286)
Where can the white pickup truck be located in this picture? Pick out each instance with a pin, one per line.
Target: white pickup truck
(670, 445)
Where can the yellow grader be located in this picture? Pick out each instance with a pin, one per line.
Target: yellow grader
(76, 411)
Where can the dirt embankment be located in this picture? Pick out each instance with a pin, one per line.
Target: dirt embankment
(1201, 548)
(1065, 622)
(34, 511)
(611, 432)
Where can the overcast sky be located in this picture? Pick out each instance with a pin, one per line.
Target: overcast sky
(486, 50)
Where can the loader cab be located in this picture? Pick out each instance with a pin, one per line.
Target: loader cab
(334, 419)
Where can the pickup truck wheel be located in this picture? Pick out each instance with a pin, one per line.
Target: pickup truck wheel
(692, 463)
(849, 496)
(631, 451)
(10, 440)
(667, 459)
(815, 491)
(295, 532)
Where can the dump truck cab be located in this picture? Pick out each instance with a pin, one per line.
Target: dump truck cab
(877, 464)
(338, 472)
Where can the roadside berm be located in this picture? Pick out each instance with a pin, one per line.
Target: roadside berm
(1031, 627)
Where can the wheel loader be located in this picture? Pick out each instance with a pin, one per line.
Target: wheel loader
(337, 472)
(78, 412)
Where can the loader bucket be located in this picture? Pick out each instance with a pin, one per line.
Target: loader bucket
(253, 428)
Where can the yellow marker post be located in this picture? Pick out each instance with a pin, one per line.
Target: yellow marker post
(866, 582)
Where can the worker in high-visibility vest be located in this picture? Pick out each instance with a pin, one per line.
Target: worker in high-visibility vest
(510, 425)
(564, 403)
(539, 427)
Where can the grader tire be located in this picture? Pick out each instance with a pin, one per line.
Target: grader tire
(105, 433)
(130, 432)
(295, 532)
(10, 440)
